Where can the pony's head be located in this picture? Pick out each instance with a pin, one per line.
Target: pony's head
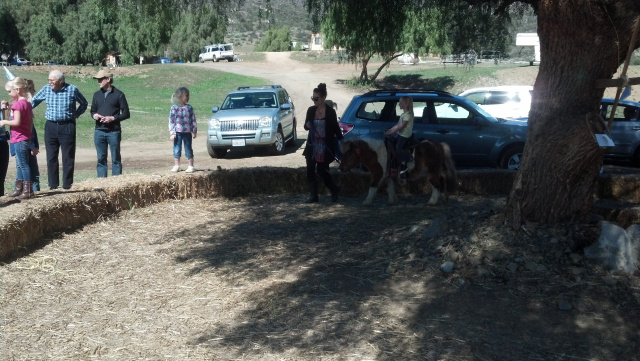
(355, 152)
(351, 151)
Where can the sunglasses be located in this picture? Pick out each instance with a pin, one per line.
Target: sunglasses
(315, 99)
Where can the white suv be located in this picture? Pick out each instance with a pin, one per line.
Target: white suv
(509, 101)
(261, 116)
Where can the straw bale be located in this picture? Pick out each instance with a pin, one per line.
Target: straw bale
(619, 186)
(22, 224)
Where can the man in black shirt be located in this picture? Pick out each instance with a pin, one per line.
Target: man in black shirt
(108, 108)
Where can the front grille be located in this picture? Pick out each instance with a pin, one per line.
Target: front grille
(238, 125)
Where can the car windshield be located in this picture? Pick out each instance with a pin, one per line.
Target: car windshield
(250, 100)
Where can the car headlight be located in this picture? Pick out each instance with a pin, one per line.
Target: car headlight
(214, 123)
(264, 122)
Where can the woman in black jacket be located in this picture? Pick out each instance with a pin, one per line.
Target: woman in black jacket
(322, 123)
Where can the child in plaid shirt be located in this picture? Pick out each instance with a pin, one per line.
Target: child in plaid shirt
(182, 127)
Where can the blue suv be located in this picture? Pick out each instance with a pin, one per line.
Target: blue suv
(475, 137)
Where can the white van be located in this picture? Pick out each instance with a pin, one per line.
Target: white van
(215, 52)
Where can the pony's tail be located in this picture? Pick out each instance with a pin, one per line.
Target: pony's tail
(449, 169)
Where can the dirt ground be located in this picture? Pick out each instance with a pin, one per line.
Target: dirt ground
(270, 278)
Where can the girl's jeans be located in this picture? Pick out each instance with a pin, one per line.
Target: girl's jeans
(23, 154)
(177, 145)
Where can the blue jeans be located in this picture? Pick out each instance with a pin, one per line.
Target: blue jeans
(181, 138)
(23, 155)
(111, 139)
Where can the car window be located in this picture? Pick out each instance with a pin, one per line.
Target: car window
(421, 112)
(452, 114)
(500, 98)
(265, 100)
(282, 97)
(386, 111)
(477, 98)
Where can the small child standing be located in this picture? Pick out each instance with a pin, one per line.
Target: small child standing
(21, 124)
(182, 127)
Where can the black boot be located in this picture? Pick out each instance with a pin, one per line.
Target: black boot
(313, 193)
(334, 194)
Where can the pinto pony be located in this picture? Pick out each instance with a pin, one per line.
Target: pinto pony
(431, 159)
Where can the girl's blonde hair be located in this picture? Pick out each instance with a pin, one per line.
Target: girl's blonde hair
(409, 102)
(20, 84)
(180, 91)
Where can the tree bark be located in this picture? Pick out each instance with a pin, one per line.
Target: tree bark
(364, 76)
(386, 62)
(581, 42)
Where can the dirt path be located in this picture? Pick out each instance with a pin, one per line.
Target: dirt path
(298, 78)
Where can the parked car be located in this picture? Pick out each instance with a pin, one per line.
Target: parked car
(162, 60)
(509, 101)
(20, 62)
(474, 136)
(262, 116)
(625, 131)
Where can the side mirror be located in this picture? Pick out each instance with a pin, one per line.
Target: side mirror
(214, 109)
(285, 106)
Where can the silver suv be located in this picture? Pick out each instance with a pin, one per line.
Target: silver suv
(262, 116)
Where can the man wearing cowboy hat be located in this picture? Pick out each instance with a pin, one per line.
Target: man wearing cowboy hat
(108, 108)
(60, 129)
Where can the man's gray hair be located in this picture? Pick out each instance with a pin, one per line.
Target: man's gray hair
(57, 74)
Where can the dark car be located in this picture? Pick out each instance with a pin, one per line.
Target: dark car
(163, 60)
(20, 62)
(475, 137)
(625, 131)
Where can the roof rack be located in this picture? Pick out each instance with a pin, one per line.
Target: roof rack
(393, 92)
(273, 86)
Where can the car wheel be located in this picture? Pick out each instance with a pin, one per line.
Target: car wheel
(215, 60)
(636, 158)
(277, 148)
(294, 136)
(201, 60)
(220, 152)
(511, 158)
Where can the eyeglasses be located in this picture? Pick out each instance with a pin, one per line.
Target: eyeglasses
(315, 99)
(101, 79)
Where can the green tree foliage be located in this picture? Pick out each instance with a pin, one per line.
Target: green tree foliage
(10, 40)
(275, 40)
(83, 31)
(387, 28)
(46, 39)
(364, 28)
(194, 31)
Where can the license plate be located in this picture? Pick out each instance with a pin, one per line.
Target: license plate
(238, 142)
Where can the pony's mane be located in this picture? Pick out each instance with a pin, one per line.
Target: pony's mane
(374, 144)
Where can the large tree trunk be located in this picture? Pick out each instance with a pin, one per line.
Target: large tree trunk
(581, 42)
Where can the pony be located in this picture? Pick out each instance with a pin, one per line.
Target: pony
(431, 159)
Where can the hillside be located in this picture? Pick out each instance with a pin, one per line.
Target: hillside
(249, 22)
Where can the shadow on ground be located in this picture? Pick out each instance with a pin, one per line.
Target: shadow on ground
(365, 283)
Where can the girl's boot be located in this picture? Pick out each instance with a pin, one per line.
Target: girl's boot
(27, 191)
(17, 190)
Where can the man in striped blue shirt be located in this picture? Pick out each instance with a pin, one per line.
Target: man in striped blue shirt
(65, 104)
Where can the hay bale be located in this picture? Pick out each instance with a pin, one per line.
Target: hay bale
(22, 224)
